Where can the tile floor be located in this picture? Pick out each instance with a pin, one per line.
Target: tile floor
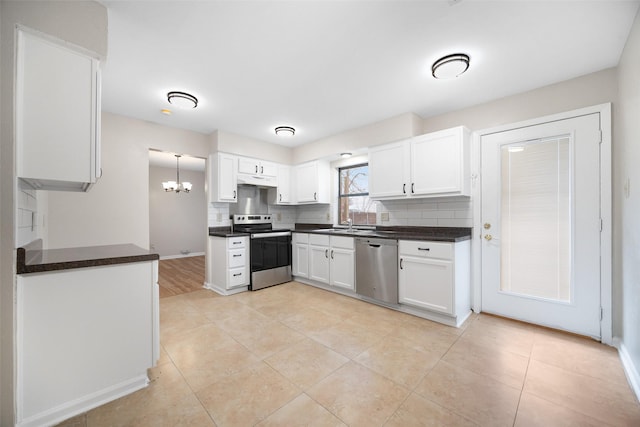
(295, 355)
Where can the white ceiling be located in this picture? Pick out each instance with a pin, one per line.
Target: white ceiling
(324, 67)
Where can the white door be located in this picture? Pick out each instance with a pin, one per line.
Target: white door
(319, 263)
(342, 263)
(541, 224)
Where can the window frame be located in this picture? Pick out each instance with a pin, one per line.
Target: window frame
(347, 196)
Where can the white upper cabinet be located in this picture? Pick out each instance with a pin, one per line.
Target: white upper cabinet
(223, 184)
(312, 182)
(389, 170)
(256, 167)
(431, 165)
(282, 195)
(57, 114)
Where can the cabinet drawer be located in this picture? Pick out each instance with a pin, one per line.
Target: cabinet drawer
(342, 242)
(318, 239)
(237, 277)
(426, 249)
(301, 237)
(236, 242)
(236, 258)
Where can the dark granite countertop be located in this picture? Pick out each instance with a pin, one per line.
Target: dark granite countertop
(224, 232)
(434, 234)
(32, 258)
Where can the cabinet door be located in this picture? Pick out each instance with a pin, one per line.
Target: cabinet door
(225, 184)
(342, 271)
(284, 185)
(301, 260)
(268, 169)
(248, 166)
(57, 115)
(307, 183)
(438, 163)
(426, 283)
(319, 263)
(389, 171)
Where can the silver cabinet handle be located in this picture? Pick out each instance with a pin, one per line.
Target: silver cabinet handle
(256, 168)
(412, 191)
(261, 169)
(326, 253)
(401, 264)
(237, 243)
(237, 274)
(315, 196)
(280, 196)
(331, 253)
(424, 249)
(404, 188)
(236, 255)
(234, 194)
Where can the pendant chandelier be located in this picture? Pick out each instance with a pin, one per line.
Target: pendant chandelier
(176, 185)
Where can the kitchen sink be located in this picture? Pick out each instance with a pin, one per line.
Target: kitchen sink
(354, 231)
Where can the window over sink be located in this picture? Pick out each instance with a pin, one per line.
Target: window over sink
(353, 195)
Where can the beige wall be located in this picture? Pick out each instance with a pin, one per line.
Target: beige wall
(626, 208)
(177, 221)
(591, 89)
(81, 23)
(116, 209)
(399, 127)
(227, 142)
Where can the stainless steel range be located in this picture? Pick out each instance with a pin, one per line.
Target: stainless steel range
(270, 252)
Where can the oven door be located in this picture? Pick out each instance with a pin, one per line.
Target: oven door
(270, 259)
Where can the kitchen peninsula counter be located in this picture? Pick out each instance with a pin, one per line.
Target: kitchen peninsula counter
(32, 258)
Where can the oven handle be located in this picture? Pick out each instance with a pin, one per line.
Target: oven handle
(267, 235)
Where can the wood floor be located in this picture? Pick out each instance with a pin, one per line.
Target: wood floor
(181, 275)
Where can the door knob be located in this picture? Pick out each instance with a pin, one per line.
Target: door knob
(488, 237)
(487, 226)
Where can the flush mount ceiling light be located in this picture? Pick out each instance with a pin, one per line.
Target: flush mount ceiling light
(450, 66)
(182, 99)
(345, 155)
(285, 131)
(176, 185)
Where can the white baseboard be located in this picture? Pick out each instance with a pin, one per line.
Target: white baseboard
(223, 291)
(182, 256)
(79, 406)
(630, 370)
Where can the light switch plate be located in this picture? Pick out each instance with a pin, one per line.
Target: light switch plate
(384, 216)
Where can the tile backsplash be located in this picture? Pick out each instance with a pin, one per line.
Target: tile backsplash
(449, 212)
(441, 212)
(28, 221)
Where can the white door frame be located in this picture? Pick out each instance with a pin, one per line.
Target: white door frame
(605, 208)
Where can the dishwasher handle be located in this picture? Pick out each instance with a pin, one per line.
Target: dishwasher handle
(373, 246)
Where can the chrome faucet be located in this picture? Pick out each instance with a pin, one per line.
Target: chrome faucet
(349, 222)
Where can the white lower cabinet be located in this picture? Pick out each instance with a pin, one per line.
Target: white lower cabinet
(228, 266)
(300, 255)
(342, 256)
(331, 260)
(85, 336)
(319, 258)
(435, 276)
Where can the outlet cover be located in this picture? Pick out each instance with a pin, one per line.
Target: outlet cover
(219, 217)
(384, 216)
(328, 216)
(278, 216)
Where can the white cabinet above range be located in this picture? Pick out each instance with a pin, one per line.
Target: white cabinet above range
(223, 178)
(257, 172)
(431, 165)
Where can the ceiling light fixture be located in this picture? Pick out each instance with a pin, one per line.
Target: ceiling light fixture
(176, 185)
(450, 66)
(345, 155)
(285, 131)
(182, 99)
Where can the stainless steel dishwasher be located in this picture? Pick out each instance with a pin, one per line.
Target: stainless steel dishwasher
(377, 268)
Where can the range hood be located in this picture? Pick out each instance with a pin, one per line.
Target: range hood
(257, 180)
